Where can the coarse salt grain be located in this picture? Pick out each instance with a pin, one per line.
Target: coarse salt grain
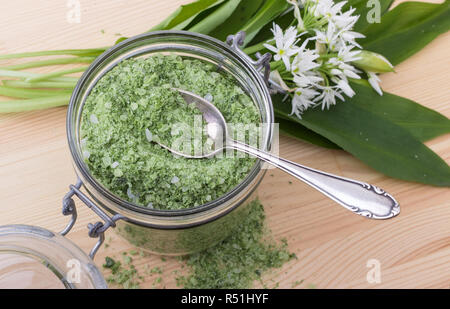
(130, 194)
(86, 154)
(209, 97)
(93, 119)
(118, 172)
(148, 135)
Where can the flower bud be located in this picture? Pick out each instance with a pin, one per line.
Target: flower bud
(297, 15)
(373, 62)
(321, 48)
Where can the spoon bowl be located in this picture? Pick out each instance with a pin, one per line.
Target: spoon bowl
(216, 128)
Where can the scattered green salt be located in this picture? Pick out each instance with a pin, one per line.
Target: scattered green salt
(239, 260)
(156, 270)
(236, 263)
(121, 276)
(297, 283)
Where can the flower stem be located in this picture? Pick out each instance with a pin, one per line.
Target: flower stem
(44, 84)
(30, 93)
(360, 81)
(32, 104)
(55, 74)
(254, 48)
(26, 75)
(275, 65)
(76, 52)
(49, 62)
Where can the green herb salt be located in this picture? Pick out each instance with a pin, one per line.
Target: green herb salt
(240, 259)
(125, 277)
(133, 104)
(236, 262)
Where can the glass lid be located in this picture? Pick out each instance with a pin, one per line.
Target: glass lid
(35, 258)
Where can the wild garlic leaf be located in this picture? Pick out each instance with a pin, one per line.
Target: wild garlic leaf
(296, 130)
(365, 10)
(267, 13)
(241, 15)
(423, 123)
(406, 29)
(216, 18)
(265, 34)
(184, 14)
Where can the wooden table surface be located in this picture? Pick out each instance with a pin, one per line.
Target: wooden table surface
(332, 245)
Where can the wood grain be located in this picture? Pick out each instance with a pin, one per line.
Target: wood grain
(332, 245)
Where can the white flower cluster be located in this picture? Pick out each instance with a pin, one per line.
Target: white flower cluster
(316, 54)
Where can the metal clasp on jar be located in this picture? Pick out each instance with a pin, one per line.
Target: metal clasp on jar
(96, 230)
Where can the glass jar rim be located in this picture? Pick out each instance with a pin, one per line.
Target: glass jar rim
(82, 167)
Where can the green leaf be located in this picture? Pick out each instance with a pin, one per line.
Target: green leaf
(216, 18)
(363, 8)
(185, 14)
(267, 13)
(375, 140)
(243, 13)
(265, 34)
(406, 29)
(423, 123)
(298, 131)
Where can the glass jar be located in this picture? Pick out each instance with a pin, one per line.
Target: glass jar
(170, 232)
(33, 257)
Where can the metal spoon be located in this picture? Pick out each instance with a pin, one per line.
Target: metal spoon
(359, 197)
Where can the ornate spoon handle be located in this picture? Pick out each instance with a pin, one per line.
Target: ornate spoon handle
(359, 197)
